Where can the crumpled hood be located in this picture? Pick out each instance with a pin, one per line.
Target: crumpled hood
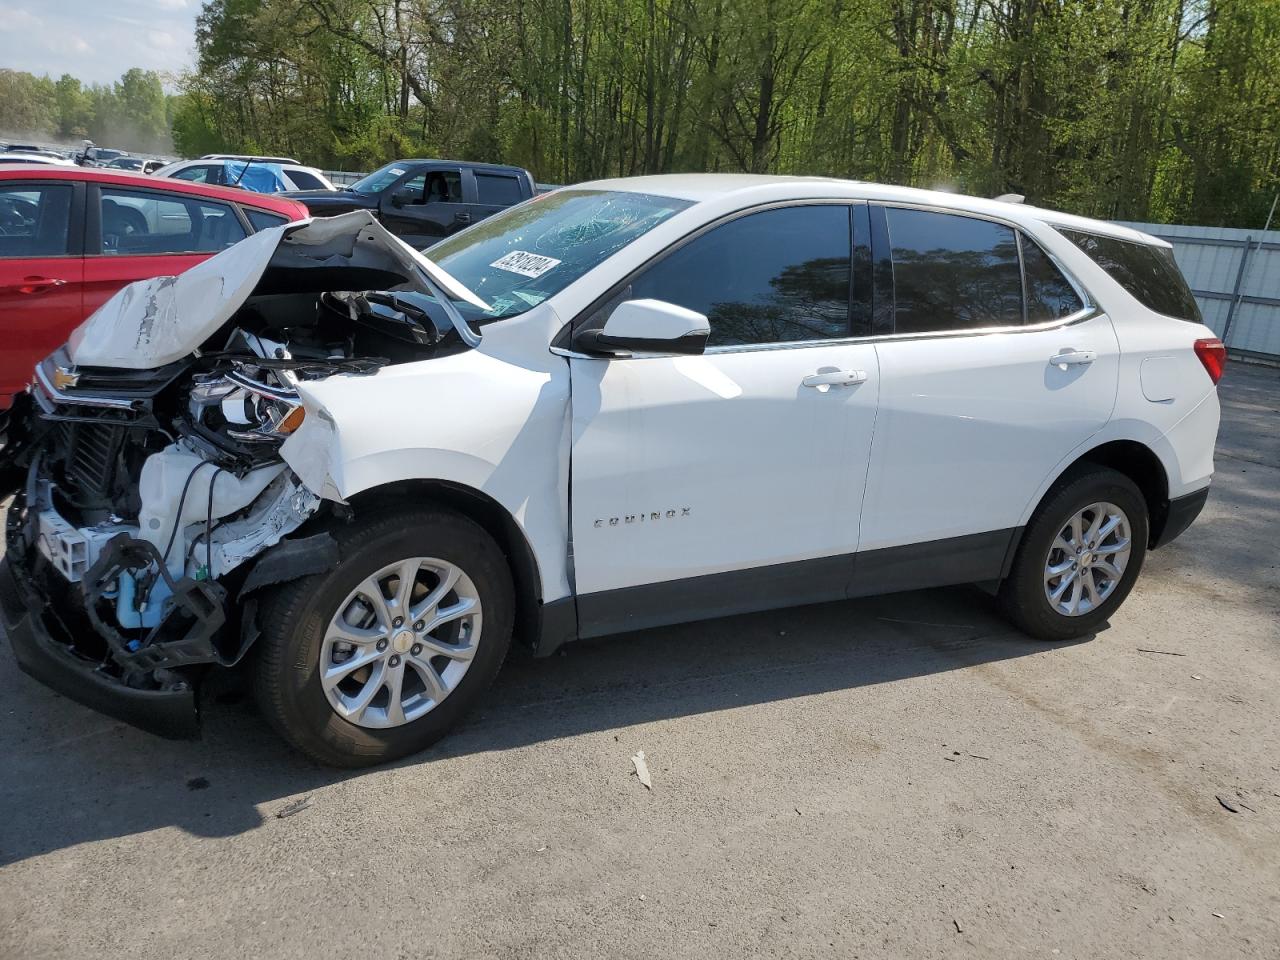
(153, 322)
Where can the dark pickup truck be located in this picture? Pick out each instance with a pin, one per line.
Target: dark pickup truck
(423, 201)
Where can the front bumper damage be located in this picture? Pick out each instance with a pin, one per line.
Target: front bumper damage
(150, 683)
(45, 649)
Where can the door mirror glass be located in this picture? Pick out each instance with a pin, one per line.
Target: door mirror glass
(650, 326)
(402, 197)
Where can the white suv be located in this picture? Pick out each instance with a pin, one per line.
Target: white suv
(233, 171)
(621, 405)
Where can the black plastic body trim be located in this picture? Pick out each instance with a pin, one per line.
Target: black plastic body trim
(166, 713)
(1181, 514)
(976, 558)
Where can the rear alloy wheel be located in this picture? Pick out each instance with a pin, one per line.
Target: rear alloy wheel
(1087, 559)
(381, 656)
(1079, 556)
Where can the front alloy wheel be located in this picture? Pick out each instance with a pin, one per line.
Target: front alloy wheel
(380, 656)
(400, 642)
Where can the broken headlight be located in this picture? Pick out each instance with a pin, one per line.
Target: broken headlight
(248, 403)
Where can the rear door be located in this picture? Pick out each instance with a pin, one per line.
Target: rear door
(41, 274)
(135, 234)
(983, 392)
(426, 206)
(496, 190)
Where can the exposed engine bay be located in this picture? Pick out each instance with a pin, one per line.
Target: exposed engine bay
(151, 490)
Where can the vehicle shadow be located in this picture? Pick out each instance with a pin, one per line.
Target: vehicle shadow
(73, 776)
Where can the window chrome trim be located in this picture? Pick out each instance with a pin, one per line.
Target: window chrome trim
(1080, 316)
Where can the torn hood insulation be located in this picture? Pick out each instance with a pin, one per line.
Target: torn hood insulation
(153, 322)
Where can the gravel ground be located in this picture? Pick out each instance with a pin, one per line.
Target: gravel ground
(896, 777)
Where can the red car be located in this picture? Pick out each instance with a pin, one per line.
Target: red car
(70, 237)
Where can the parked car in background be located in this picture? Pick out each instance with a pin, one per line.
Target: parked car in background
(32, 151)
(41, 158)
(71, 236)
(126, 163)
(651, 401)
(424, 201)
(99, 156)
(260, 174)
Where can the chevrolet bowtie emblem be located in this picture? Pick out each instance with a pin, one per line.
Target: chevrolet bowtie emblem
(64, 378)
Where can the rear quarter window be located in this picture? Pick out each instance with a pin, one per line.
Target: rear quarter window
(1148, 273)
(261, 220)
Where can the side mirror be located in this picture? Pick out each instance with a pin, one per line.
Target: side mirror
(650, 326)
(403, 197)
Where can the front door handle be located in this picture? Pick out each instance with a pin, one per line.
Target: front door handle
(30, 285)
(462, 218)
(1073, 358)
(835, 378)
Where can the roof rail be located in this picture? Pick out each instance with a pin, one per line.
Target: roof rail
(242, 156)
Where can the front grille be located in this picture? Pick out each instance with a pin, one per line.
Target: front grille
(92, 453)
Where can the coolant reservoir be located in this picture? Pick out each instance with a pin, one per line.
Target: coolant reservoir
(166, 474)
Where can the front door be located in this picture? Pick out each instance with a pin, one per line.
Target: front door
(41, 274)
(714, 484)
(972, 422)
(426, 207)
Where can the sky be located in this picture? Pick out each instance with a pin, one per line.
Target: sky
(97, 40)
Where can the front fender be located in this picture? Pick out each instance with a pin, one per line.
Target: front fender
(468, 419)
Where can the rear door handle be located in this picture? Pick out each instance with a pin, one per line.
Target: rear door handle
(30, 285)
(1072, 358)
(462, 218)
(835, 378)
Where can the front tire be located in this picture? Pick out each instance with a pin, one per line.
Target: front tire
(1079, 555)
(381, 656)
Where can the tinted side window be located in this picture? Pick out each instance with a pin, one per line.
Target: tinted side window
(146, 224)
(774, 276)
(1147, 272)
(498, 189)
(205, 173)
(953, 272)
(1049, 295)
(35, 219)
(304, 181)
(444, 186)
(261, 220)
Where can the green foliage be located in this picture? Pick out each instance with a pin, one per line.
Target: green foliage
(132, 114)
(1117, 108)
(1142, 109)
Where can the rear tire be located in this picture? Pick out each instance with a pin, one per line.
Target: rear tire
(303, 624)
(1056, 571)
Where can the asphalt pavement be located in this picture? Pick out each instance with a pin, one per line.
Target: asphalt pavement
(902, 776)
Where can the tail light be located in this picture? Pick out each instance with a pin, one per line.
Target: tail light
(1213, 355)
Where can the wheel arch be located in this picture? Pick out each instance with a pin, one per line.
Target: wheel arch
(1137, 461)
(494, 518)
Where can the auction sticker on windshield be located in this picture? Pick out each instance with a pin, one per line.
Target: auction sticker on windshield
(525, 264)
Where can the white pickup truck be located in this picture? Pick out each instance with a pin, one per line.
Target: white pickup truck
(620, 405)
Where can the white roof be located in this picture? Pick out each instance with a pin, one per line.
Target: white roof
(748, 189)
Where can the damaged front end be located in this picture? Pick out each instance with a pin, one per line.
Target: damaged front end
(153, 503)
